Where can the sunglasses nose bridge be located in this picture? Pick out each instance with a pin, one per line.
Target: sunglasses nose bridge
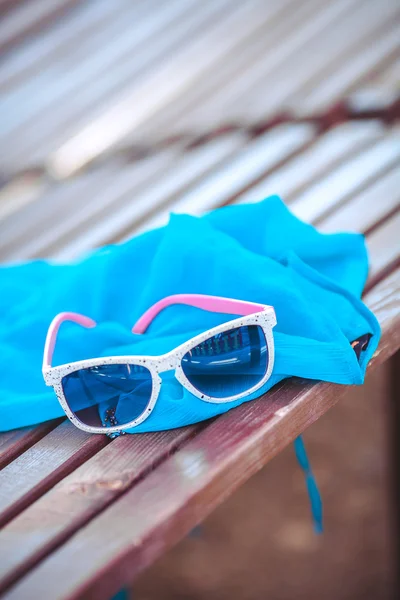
(168, 362)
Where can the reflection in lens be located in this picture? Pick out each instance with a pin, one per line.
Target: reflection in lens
(228, 363)
(108, 395)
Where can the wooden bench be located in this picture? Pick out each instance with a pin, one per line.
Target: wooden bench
(80, 515)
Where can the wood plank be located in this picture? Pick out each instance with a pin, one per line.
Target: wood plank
(123, 209)
(20, 192)
(256, 17)
(142, 69)
(194, 480)
(378, 93)
(350, 76)
(80, 496)
(36, 470)
(181, 115)
(366, 210)
(15, 442)
(383, 245)
(61, 210)
(325, 195)
(171, 79)
(266, 153)
(331, 149)
(28, 18)
(85, 64)
(48, 44)
(304, 25)
(325, 53)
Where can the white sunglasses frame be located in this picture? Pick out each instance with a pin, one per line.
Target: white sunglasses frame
(53, 376)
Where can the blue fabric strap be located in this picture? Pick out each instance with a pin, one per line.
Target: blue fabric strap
(312, 487)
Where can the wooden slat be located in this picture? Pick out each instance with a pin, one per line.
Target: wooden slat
(62, 209)
(42, 465)
(367, 209)
(329, 151)
(125, 209)
(304, 26)
(91, 61)
(262, 156)
(351, 75)
(254, 21)
(43, 212)
(80, 496)
(170, 80)
(377, 94)
(383, 244)
(194, 480)
(322, 197)
(28, 18)
(20, 192)
(37, 52)
(182, 115)
(145, 71)
(326, 52)
(13, 443)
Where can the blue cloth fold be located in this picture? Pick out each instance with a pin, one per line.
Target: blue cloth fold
(258, 252)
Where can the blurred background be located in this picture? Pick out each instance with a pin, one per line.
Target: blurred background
(116, 112)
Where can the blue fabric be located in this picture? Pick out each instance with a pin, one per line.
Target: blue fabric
(257, 252)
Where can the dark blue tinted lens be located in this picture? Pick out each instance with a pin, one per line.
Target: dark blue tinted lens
(228, 363)
(108, 395)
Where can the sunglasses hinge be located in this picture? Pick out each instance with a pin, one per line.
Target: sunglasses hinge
(115, 434)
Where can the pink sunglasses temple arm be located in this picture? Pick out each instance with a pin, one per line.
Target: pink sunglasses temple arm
(210, 303)
(53, 331)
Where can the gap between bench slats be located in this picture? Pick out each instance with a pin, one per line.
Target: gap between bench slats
(161, 509)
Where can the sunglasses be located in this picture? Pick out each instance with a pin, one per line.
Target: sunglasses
(115, 393)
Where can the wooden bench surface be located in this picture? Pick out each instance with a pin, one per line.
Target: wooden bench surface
(121, 129)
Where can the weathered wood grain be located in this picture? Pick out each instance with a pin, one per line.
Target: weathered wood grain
(366, 210)
(323, 197)
(260, 77)
(38, 468)
(267, 152)
(384, 247)
(373, 55)
(28, 18)
(13, 443)
(145, 72)
(80, 496)
(38, 51)
(338, 144)
(328, 50)
(194, 480)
